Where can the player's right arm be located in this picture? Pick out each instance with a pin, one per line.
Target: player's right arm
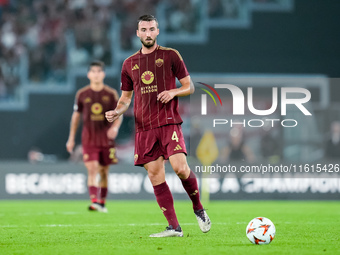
(122, 105)
(73, 130)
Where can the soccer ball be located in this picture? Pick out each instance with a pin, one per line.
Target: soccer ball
(260, 230)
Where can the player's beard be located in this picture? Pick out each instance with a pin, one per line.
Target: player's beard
(150, 43)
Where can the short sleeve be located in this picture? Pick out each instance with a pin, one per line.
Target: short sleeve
(78, 105)
(126, 81)
(178, 65)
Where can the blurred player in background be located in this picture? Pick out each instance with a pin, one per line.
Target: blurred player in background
(98, 135)
(237, 149)
(333, 142)
(151, 73)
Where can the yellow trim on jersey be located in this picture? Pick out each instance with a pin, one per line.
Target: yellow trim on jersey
(82, 90)
(176, 51)
(131, 55)
(113, 91)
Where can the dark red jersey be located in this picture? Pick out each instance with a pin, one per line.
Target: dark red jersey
(93, 105)
(148, 75)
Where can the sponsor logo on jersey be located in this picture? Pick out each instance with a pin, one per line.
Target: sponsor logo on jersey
(135, 67)
(87, 100)
(178, 147)
(147, 77)
(149, 89)
(159, 62)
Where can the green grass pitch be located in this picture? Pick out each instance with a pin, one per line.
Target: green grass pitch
(66, 227)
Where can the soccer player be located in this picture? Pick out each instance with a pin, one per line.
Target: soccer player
(151, 73)
(91, 102)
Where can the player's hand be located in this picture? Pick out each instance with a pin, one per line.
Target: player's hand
(165, 96)
(112, 132)
(70, 145)
(111, 116)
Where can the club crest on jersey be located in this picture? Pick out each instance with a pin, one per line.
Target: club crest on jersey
(159, 62)
(147, 77)
(136, 157)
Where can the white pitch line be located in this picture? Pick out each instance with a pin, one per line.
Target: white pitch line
(124, 225)
(45, 213)
(102, 225)
(128, 224)
(10, 226)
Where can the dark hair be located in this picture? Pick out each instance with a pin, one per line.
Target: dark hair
(97, 63)
(147, 17)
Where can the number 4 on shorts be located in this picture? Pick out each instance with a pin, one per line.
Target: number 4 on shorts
(174, 136)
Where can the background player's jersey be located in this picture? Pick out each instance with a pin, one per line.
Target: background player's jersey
(148, 75)
(93, 105)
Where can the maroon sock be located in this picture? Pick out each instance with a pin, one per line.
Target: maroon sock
(93, 191)
(166, 203)
(191, 187)
(102, 195)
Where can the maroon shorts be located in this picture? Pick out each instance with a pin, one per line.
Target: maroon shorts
(104, 155)
(162, 141)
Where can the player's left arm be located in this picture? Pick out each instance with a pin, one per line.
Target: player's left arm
(186, 89)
